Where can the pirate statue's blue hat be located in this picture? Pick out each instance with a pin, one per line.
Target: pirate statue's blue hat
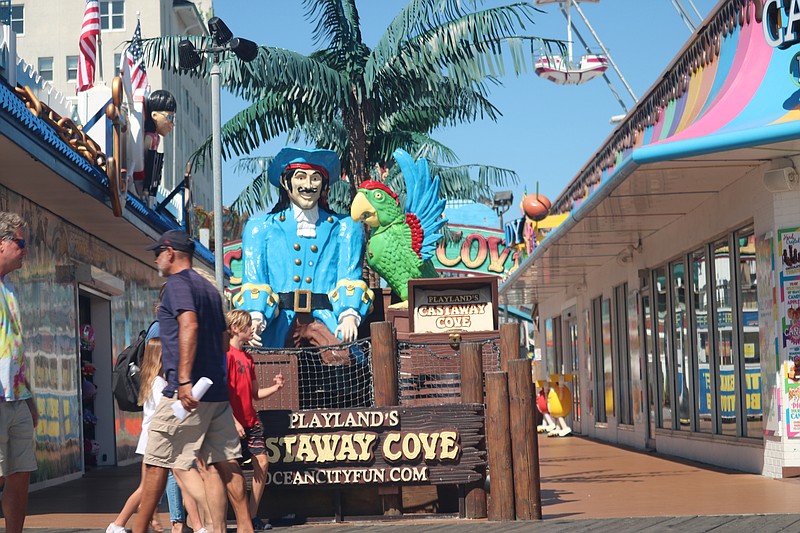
(325, 161)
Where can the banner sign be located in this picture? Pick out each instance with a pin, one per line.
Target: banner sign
(433, 445)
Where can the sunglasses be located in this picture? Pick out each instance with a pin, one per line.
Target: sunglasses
(20, 242)
(158, 251)
(169, 116)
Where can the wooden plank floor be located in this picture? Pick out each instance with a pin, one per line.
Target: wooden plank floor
(586, 486)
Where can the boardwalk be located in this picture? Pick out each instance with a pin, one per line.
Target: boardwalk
(586, 486)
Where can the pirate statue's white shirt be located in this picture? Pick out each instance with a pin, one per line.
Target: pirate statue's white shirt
(306, 221)
(307, 227)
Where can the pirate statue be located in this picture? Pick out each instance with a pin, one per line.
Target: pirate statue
(301, 264)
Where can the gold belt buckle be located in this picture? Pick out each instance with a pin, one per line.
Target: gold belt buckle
(298, 295)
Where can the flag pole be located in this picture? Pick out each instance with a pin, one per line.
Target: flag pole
(100, 48)
(100, 54)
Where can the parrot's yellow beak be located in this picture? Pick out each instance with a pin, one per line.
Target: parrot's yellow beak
(362, 211)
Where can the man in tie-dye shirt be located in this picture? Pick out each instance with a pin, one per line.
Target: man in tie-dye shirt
(18, 414)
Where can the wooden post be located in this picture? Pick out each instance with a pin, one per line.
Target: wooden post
(472, 392)
(498, 440)
(524, 443)
(509, 344)
(384, 378)
(384, 364)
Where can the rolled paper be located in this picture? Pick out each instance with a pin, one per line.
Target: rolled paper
(198, 390)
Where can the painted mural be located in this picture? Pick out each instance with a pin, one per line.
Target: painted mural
(48, 295)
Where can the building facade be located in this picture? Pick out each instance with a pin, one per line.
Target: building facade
(52, 49)
(86, 289)
(670, 291)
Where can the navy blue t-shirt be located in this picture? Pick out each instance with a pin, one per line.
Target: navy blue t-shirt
(189, 291)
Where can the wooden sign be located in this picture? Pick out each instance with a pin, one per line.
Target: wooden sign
(380, 445)
(452, 305)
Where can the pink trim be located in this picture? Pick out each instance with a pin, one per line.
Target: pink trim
(747, 73)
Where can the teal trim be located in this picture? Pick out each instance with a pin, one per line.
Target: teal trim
(720, 142)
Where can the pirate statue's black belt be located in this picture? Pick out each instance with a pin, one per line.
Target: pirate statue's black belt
(303, 301)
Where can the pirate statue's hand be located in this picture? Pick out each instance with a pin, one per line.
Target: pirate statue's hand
(348, 328)
(259, 326)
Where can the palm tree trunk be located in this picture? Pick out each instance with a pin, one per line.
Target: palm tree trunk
(356, 119)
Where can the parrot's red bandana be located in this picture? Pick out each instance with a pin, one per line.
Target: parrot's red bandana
(372, 185)
(307, 166)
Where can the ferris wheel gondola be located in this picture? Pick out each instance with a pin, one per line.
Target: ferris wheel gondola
(564, 71)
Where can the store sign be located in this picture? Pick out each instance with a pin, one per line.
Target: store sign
(777, 33)
(452, 310)
(393, 445)
(475, 251)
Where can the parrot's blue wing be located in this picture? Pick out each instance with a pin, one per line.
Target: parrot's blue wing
(422, 199)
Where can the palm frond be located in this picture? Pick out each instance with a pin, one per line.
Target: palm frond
(323, 134)
(258, 195)
(337, 22)
(262, 121)
(296, 76)
(414, 142)
(468, 48)
(458, 183)
(445, 105)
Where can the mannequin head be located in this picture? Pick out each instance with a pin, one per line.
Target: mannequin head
(160, 107)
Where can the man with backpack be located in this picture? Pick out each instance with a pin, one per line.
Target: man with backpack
(194, 342)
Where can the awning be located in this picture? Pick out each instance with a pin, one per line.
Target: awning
(724, 107)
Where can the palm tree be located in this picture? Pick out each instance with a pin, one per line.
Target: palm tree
(432, 67)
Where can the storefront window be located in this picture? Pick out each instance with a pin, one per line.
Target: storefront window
(599, 336)
(621, 324)
(726, 375)
(587, 331)
(608, 360)
(549, 350)
(704, 400)
(748, 303)
(664, 365)
(650, 361)
(679, 328)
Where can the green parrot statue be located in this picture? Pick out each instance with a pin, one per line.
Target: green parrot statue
(401, 242)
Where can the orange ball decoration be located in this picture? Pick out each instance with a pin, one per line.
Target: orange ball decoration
(536, 206)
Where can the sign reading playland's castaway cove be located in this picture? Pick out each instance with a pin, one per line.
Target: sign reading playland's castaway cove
(381, 445)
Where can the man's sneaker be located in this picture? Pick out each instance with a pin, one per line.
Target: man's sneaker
(114, 528)
(260, 525)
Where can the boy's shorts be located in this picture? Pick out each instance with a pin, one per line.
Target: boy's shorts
(16, 438)
(253, 442)
(207, 433)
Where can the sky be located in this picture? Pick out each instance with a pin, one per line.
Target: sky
(548, 132)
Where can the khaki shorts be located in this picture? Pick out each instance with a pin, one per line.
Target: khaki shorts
(16, 438)
(207, 433)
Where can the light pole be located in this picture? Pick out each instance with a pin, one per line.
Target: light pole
(222, 40)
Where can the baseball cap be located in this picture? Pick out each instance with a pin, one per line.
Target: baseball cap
(175, 239)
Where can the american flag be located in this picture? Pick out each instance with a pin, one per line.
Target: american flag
(133, 71)
(90, 33)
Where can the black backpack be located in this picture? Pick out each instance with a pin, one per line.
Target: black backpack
(125, 380)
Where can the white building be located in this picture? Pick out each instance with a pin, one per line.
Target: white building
(52, 49)
(672, 290)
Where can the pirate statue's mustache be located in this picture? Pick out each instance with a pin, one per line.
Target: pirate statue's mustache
(310, 190)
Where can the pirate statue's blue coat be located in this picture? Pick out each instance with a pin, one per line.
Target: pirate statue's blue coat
(301, 263)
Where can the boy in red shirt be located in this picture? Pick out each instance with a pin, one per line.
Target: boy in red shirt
(243, 391)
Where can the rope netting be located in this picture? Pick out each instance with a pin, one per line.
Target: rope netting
(340, 376)
(331, 377)
(430, 372)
